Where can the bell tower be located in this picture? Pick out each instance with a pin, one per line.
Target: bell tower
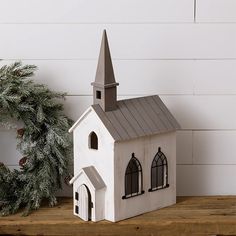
(105, 86)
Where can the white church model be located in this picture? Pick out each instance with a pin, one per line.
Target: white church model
(124, 152)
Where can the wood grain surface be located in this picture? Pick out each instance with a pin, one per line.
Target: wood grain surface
(190, 216)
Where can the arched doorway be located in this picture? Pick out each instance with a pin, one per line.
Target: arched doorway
(84, 202)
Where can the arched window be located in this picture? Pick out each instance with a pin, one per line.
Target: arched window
(93, 141)
(133, 178)
(159, 172)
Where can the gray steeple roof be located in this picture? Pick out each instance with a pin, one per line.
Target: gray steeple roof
(105, 75)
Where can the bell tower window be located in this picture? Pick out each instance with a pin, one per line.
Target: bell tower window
(105, 86)
(98, 94)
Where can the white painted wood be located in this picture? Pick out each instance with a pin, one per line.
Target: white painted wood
(73, 44)
(192, 112)
(83, 203)
(102, 159)
(161, 76)
(97, 195)
(138, 41)
(184, 147)
(11, 157)
(144, 149)
(92, 11)
(74, 106)
(74, 76)
(203, 112)
(214, 147)
(216, 11)
(154, 76)
(200, 180)
(214, 76)
(9, 154)
(116, 156)
(210, 147)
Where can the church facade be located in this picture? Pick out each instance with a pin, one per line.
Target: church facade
(124, 152)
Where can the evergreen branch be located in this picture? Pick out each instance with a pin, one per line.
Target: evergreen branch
(45, 142)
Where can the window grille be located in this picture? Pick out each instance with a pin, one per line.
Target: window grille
(133, 178)
(159, 172)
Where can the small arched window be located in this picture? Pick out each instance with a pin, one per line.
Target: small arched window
(133, 178)
(93, 141)
(159, 172)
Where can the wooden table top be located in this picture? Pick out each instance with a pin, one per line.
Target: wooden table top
(190, 216)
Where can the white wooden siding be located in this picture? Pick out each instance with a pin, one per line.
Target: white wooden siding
(165, 47)
(214, 147)
(93, 11)
(199, 180)
(9, 155)
(164, 77)
(184, 147)
(216, 11)
(128, 41)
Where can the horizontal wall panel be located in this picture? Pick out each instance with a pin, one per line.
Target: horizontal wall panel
(194, 180)
(203, 111)
(209, 147)
(8, 152)
(214, 77)
(140, 76)
(127, 41)
(184, 147)
(92, 11)
(75, 106)
(197, 180)
(192, 112)
(10, 156)
(134, 76)
(216, 11)
(214, 147)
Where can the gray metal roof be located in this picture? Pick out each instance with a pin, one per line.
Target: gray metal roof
(137, 117)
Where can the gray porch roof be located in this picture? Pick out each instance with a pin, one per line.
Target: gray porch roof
(93, 176)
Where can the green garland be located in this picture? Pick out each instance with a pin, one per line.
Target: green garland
(43, 140)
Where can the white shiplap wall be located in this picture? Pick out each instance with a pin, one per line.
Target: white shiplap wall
(184, 50)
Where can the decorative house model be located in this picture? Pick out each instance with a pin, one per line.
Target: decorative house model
(124, 152)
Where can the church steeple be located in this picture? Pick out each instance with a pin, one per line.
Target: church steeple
(104, 87)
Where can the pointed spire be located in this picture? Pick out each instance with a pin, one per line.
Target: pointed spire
(105, 86)
(105, 74)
